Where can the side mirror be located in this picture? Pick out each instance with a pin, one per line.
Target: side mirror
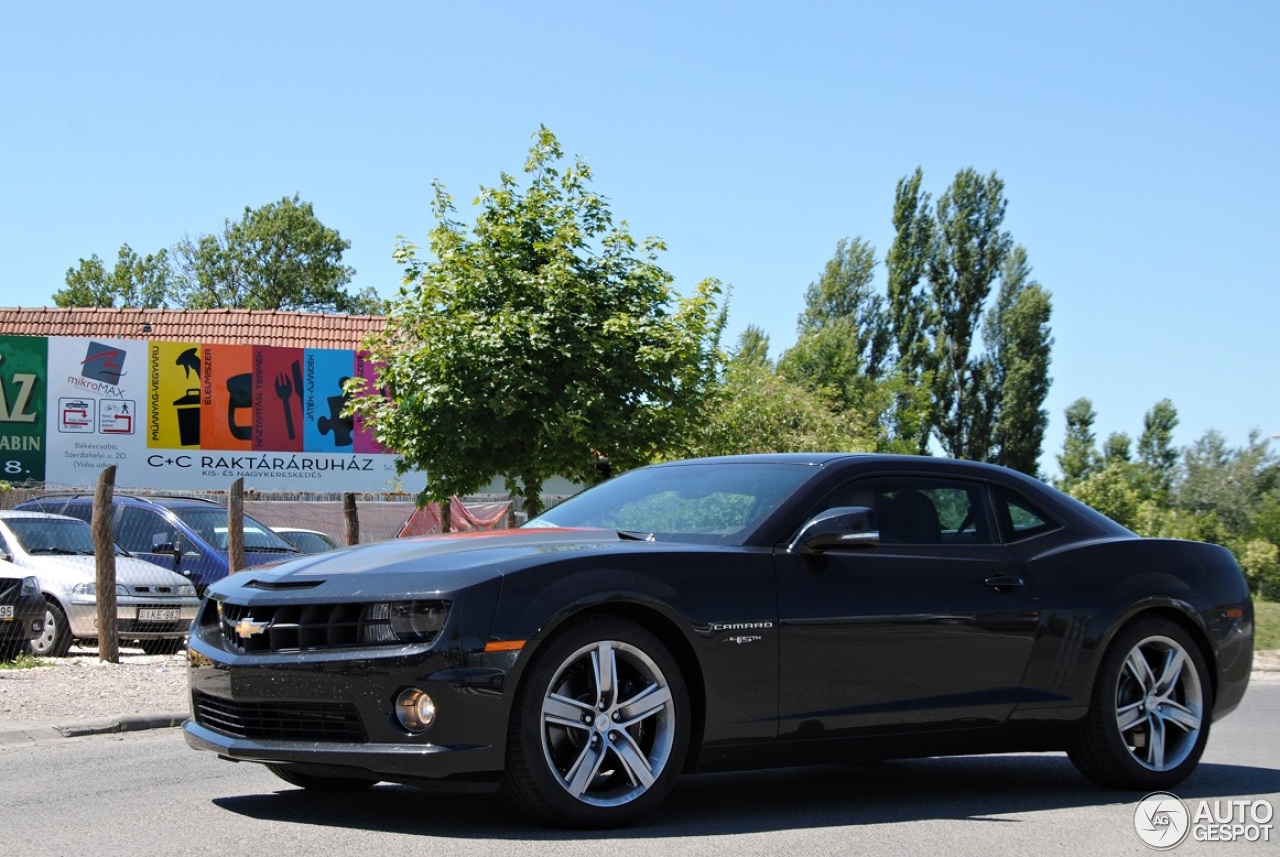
(839, 527)
(5, 556)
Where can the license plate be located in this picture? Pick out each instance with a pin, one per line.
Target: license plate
(159, 614)
(6, 612)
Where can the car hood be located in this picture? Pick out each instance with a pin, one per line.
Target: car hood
(412, 567)
(70, 570)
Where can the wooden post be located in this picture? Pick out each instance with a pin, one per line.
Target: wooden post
(235, 526)
(104, 553)
(351, 519)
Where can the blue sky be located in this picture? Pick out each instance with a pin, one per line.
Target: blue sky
(1139, 144)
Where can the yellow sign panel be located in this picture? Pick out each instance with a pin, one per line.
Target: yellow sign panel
(173, 404)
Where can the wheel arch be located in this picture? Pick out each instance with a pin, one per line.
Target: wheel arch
(1181, 615)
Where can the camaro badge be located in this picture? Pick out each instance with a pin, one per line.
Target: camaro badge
(247, 628)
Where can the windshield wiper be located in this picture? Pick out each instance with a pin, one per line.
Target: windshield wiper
(66, 551)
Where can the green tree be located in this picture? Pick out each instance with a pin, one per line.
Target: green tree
(536, 341)
(969, 254)
(136, 282)
(1117, 449)
(843, 337)
(1018, 353)
(1155, 447)
(909, 417)
(278, 256)
(753, 348)
(1111, 491)
(1079, 456)
(755, 409)
(1226, 482)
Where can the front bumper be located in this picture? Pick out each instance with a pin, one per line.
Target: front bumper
(332, 712)
(83, 618)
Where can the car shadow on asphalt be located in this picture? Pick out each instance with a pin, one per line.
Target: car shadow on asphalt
(980, 788)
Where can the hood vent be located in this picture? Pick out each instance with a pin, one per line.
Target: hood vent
(282, 585)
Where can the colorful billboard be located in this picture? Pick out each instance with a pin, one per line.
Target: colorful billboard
(186, 416)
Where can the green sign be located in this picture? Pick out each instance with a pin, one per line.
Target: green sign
(24, 369)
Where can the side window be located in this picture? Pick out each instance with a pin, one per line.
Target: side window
(922, 511)
(1020, 518)
(142, 530)
(83, 511)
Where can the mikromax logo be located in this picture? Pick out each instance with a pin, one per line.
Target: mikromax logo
(1161, 820)
(1164, 820)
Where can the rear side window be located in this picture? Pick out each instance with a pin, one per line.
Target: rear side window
(1019, 517)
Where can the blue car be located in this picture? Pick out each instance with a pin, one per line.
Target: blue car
(185, 534)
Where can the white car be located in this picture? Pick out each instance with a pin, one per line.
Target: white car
(154, 605)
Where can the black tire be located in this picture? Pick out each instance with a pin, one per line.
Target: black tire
(55, 639)
(160, 647)
(315, 783)
(1149, 716)
(595, 748)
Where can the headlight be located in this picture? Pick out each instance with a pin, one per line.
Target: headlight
(187, 590)
(404, 621)
(30, 587)
(90, 590)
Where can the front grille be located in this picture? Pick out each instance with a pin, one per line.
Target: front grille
(292, 627)
(279, 721)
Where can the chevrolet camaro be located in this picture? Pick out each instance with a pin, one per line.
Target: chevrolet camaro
(728, 614)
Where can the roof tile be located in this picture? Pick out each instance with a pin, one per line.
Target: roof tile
(288, 329)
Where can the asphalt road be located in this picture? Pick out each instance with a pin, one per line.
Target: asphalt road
(146, 792)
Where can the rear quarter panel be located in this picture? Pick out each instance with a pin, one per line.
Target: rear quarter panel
(1088, 592)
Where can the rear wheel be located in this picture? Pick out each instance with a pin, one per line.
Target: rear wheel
(55, 639)
(600, 726)
(316, 783)
(1149, 718)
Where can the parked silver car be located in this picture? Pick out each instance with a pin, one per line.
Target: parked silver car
(154, 606)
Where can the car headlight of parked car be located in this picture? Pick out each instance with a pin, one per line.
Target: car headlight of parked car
(30, 587)
(187, 590)
(89, 591)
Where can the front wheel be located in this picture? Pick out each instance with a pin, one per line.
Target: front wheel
(55, 640)
(1152, 704)
(600, 726)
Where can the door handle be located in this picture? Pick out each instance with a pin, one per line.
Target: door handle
(1004, 581)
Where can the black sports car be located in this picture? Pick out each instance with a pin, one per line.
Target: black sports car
(722, 614)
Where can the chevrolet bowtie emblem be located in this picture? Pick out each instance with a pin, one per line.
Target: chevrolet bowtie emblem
(246, 628)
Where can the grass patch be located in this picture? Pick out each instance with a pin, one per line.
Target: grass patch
(22, 661)
(1266, 628)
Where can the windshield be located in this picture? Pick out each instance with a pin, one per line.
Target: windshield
(52, 535)
(716, 502)
(211, 525)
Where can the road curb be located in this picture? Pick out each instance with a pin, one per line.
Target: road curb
(40, 734)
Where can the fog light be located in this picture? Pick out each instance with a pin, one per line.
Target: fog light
(415, 710)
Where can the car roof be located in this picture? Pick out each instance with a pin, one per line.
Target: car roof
(164, 502)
